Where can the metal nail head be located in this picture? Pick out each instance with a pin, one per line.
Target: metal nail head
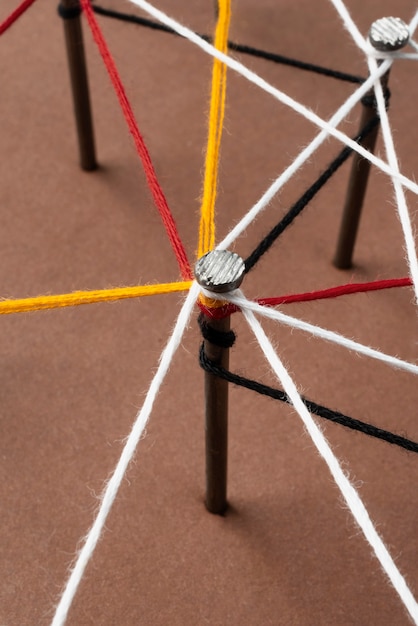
(389, 34)
(220, 271)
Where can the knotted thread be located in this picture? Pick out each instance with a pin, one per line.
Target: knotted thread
(216, 337)
(369, 100)
(313, 407)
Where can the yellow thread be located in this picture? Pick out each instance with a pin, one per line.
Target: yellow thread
(210, 303)
(88, 297)
(216, 117)
(207, 222)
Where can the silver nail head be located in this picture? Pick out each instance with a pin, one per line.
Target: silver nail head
(388, 34)
(219, 271)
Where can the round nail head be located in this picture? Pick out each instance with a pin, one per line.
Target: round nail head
(389, 34)
(219, 271)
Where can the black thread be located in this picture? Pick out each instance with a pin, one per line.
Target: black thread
(218, 338)
(244, 49)
(313, 407)
(300, 204)
(68, 13)
(369, 100)
(226, 340)
(133, 19)
(302, 65)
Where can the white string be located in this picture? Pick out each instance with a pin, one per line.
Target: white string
(237, 298)
(276, 93)
(349, 24)
(306, 153)
(378, 54)
(413, 24)
(112, 487)
(352, 498)
(310, 149)
(364, 43)
(399, 192)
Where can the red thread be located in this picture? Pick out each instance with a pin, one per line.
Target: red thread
(332, 292)
(13, 16)
(335, 292)
(143, 153)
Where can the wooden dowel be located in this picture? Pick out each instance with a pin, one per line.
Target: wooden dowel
(356, 192)
(218, 271)
(216, 423)
(387, 34)
(70, 12)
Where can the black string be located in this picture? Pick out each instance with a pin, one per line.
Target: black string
(133, 19)
(369, 100)
(302, 65)
(217, 337)
(310, 193)
(227, 339)
(316, 409)
(237, 47)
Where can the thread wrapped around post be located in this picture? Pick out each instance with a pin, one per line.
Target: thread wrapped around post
(387, 34)
(219, 271)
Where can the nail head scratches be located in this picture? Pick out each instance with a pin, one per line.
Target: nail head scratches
(220, 271)
(388, 34)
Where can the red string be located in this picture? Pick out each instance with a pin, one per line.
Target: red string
(332, 292)
(335, 292)
(13, 16)
(143, 153)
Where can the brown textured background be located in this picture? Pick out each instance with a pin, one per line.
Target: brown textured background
(72, 380)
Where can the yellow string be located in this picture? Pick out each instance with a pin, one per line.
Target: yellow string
(216, 117)
(76, 298)
(210, 303)
(207, 220)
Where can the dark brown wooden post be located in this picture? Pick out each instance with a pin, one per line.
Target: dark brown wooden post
(70, 11)
(386, 34)
(218, 271)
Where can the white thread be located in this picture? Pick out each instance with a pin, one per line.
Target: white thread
(276, 93)
(413, 23)
(396, 54)
(237, 298)
(349, 24)
(341, 113)
(399, 192)
(371, 52)
(364, 43)
(112, 487)
(306, 153)
(352, 498)
(378, 54)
